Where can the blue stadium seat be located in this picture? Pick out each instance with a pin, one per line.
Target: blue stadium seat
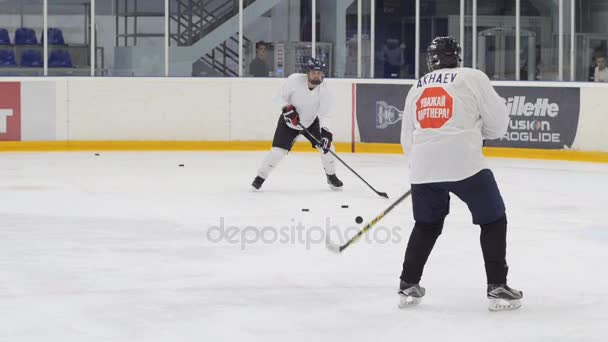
(32, 58)
(7, 58)
(4, 38)
(60, 59)
(55, 37)
(25, 36)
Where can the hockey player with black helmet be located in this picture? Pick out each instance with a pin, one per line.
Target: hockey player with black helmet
(447, 115)
(304, 101)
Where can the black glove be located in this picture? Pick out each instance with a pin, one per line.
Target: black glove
(291, 117)
(326, 139)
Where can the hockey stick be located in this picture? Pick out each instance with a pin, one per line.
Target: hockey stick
(338, 249)
(379, 193)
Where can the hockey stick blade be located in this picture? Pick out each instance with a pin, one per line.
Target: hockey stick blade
(381, 194)
(338, 249)
(332, 246)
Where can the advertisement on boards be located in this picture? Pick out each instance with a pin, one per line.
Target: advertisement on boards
(540, 117)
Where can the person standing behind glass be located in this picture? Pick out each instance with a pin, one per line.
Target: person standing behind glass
(601, 72)
(392, 57)
(259, 66)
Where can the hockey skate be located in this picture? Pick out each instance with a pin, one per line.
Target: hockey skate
(411, 294)
(501, 297)
(257, 183)
(334, 183)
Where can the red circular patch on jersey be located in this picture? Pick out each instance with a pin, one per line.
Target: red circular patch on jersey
(434, 108)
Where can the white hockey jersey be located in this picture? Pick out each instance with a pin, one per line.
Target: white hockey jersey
(447, 115)
(310, 104)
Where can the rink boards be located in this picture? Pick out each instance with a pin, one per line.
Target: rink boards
(549, 120)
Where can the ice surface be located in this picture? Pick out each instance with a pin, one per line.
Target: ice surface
(124, 247)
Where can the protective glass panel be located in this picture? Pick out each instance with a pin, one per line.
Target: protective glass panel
(204, 37)
(130, 37)
(591, 45)
(277, 37)
(395, 39)
(20, 31)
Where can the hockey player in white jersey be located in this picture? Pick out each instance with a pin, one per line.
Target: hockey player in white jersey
(305, 100)
(447, 115)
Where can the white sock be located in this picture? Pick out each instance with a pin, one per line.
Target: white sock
(328, 161)
(273, 158)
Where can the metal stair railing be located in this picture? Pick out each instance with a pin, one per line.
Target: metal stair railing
(225, 59)
(196, 18)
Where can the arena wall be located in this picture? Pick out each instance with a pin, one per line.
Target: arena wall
(238, 113)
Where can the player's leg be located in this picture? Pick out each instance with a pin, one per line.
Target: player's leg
(481, 194)
(283, 140)
(431, 204)
(327, 160)
(329, 165)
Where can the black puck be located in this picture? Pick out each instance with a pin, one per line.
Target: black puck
(97, 154)
(181, 165)
(344, 205)
(358, 219)
(304, 209)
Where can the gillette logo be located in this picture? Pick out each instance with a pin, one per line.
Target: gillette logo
(534, 128)
(517, 106)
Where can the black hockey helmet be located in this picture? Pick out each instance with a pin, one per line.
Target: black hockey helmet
(443, 52)
(314, 64)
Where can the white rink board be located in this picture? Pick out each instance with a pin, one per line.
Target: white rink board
(218, 109)
(593, 121)
(133, 109)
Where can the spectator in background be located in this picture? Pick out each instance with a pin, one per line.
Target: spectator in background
(523, 73)
(259, 66)
(598, 51)
(392, 58)
(601, 72)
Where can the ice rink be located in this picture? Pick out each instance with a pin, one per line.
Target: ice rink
(133, 247)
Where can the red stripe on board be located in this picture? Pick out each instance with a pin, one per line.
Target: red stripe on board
(354, 116)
